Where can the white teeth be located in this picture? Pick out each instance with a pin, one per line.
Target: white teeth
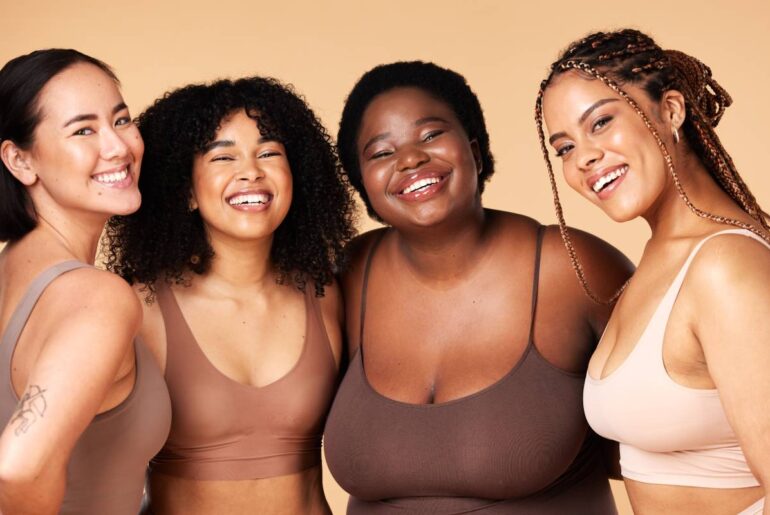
(606, 179)
(421, 184)
(249, 198)
(109, 178)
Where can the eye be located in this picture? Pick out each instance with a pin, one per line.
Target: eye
(432, 135)
(562, 150)
(381, 154)
(269, 153)
(123, 120)
(85, 131)
(601, 123)
(222, 158)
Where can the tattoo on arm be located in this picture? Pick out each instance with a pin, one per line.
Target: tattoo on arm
(31, 407)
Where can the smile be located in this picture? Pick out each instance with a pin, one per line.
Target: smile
(421, 184)
(249, 199)
(607, 179)
(112, 178)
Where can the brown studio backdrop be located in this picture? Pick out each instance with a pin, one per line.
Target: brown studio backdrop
(503, 49)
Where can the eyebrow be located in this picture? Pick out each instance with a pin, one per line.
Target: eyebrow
(417, 123)
(90, 117)
(230, 143)
(583, 116)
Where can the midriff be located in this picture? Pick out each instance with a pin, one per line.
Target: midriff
(291, 494)
(649, 498)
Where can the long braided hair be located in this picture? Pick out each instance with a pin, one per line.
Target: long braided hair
(630, 56)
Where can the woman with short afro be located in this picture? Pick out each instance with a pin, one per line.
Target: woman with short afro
(234, 250)
(469, 333)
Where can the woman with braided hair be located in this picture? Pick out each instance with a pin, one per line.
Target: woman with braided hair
(679, 377)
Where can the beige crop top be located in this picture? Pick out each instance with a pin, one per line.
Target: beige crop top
(669, 433)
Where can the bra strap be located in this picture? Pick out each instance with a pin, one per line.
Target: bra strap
(536, 280)
(365, 286)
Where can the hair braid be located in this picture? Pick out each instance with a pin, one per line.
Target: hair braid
(631, 56)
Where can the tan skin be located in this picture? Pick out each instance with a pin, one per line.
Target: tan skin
(728, 276)
(239, 296)
(449, 295)
(77, 344)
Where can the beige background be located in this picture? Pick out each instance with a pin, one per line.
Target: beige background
(503, 48)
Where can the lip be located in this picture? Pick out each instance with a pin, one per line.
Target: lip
(425, 173)
(607, 191)
(601, 173)
(126, 182)
(250, 207)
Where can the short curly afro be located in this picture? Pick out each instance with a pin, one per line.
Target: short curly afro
(445, 85)
(164, 240)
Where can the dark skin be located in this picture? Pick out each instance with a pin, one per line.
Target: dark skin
(450, 287)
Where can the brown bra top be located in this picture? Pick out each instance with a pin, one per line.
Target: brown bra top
(519, 446)
(106, 471)
(224, 430)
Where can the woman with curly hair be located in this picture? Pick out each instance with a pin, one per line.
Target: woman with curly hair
(234, 250)
(83, 404)
(680, 375)
(468, 333)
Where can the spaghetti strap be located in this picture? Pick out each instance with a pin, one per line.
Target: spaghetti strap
(364, 286)
(535, 281)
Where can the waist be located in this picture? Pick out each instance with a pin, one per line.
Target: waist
(685, 500)
(718, 467)
(230, 462)
(299, 492)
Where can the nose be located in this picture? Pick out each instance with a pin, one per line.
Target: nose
(250, 171)
(588, 155)
(113, 146)
(411, 157)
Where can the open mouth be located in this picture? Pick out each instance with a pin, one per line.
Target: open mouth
(117, 178)
(421, 185)
(606, 180)
(249, 199)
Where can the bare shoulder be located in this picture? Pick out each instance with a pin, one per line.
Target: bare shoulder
(333, 313)
(358, 250)
(730, 268)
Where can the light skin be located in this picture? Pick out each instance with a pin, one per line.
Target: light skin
(239, 296)
(458, 328)
(75, 357)
(594, 130)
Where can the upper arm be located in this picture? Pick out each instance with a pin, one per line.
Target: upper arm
(351, 283)
(730, 317)
(333, 313)
(152, 333)
(606, 270)
(91, 320)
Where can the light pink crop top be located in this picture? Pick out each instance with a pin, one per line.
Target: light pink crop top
(669, 434)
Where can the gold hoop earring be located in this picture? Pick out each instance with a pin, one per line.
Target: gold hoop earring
(676, 136)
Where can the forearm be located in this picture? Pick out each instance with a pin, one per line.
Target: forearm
(32, 495)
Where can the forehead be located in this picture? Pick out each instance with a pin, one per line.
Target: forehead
(405, 105)
(78, 89)
(572, 92)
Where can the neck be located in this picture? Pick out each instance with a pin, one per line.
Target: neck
(670, 217)
(239, 266)
(444, 252)
(78, 236)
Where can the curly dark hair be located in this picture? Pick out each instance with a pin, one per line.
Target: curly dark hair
(164, 240)
(445, 85)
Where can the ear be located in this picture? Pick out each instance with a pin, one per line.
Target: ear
(18, 162)
(476, 150)
(673, 111)
(192, 204)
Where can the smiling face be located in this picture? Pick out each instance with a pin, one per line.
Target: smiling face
(242, 182)
(87, 152)
(417, 164)
(608, 154)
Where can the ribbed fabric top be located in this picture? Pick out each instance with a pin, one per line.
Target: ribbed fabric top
(106, 471)
(225, 430)
(519, 446)
(668, 433)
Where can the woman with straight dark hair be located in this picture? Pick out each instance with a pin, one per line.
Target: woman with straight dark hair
(83, 404)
